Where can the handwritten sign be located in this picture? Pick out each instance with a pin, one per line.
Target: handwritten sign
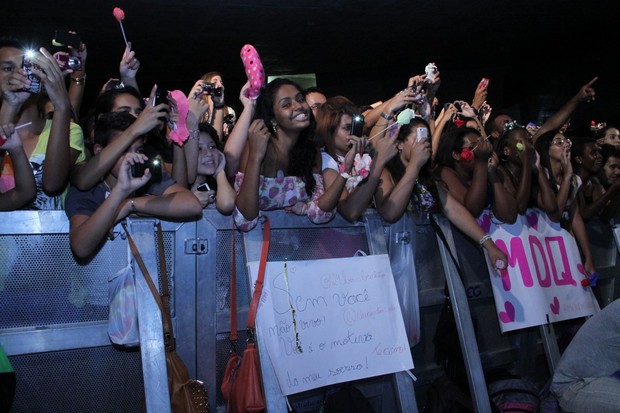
(542, 283)
(331, 321)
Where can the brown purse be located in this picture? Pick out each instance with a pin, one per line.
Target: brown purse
(241, 385)
(186, 395)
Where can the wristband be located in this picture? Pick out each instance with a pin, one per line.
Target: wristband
(386, 116)
(484, 239)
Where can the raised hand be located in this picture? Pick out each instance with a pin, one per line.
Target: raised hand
(129, 65)
(47, 68)
(480, 94)
(258, 138)
(587, 92)
(420, 154)
(126, 182)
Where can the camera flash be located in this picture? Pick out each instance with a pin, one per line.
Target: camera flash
(29, 54)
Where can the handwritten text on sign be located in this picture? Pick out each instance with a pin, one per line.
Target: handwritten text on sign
(347, 323)
(543, 281)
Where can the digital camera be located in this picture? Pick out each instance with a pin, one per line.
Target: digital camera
(67, 61)
(210, 89)
(154, 164)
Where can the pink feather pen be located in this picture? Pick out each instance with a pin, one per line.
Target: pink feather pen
(119, 14)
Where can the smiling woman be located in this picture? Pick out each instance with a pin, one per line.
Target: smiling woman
(280, 165)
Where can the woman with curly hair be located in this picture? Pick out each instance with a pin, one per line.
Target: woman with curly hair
(280, 166)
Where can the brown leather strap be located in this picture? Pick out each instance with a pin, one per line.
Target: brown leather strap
(258, 286)
(233, 289)
(163, 301)
(165, 291)
(145, 272)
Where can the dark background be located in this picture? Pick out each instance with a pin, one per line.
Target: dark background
(536, 53)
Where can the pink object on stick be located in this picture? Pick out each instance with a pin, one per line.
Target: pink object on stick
(118, 13)
(253, 69)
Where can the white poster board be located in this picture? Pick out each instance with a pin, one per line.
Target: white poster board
(542, 283)
(347, 320)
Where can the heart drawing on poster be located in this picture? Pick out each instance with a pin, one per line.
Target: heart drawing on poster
(532, 219)
(507, 316)
(555, 306)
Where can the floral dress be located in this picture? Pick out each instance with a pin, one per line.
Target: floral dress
(283, 192)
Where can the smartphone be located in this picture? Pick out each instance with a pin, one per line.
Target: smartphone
(422, 134)
(65, 38)
(161, 96)
(485, 83)
(357, 125)
(204, 187)
(35, 81)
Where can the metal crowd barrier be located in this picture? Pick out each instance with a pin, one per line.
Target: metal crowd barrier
(53, 310)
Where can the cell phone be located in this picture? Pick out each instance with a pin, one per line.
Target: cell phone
(65, 38)
(204, 187)
(35, 81)
(485, 83)
(161, 96)
(357, 125)
(422, 134)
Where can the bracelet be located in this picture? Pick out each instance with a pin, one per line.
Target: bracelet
(484, 239)
(79, 80)
(194, 134)
(133, 208)
(386, 116)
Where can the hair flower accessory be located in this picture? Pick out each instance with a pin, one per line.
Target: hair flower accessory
(467, 155)
(590, 280)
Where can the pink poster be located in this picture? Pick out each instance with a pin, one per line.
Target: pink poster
(542, 283)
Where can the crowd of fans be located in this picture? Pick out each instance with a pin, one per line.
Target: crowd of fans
(171, 155)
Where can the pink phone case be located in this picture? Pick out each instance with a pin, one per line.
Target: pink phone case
(254, 69)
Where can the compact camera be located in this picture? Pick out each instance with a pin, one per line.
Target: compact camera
(357, 125)
(35, 81)
(210, 89)
(67, 61)
(154, 164)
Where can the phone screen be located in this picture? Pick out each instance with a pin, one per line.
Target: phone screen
(357, 125)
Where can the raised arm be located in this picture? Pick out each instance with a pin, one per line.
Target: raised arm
(88, 174)
(586, 94)
(59, 156)
(128, 67)
(78, 81)
(239, 136)
(247, 198)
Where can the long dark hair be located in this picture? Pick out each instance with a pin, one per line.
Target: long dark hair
(452, 141)
(330, 114)
(302, 156)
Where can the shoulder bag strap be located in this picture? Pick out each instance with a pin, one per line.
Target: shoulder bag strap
(165, 292)
(145, 272)
(233, 289)
(258, 286)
